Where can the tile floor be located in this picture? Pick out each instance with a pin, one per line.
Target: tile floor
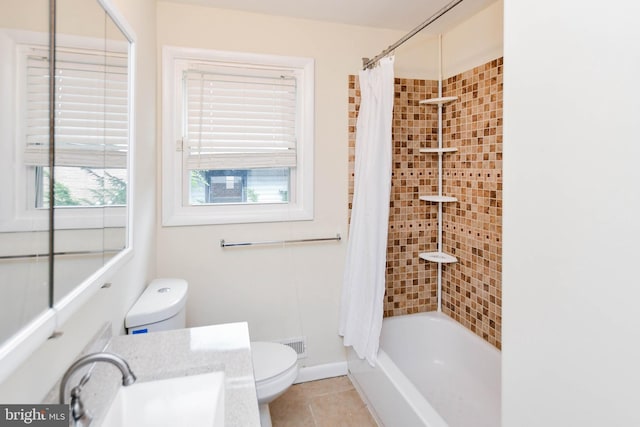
(325, 403)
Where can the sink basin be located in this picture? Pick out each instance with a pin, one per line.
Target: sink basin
(196, 400)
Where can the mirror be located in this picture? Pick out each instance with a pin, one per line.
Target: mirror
(24, 229)
(91, 142)
(50, 258)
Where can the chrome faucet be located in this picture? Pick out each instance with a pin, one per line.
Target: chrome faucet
(80, 416)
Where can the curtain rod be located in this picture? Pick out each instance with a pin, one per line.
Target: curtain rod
(368, 63)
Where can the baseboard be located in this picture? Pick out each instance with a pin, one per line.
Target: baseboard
(320, 372)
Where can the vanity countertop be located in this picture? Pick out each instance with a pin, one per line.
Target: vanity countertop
(182, 352)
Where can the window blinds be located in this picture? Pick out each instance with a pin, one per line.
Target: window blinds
(237, 118)
(91, 127)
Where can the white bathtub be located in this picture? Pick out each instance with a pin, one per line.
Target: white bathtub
(431, 372)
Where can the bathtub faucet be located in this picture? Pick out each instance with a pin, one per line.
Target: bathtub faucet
(80, 416)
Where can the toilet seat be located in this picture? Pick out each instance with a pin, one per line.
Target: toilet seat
(275, 367)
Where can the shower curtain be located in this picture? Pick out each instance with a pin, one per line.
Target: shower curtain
(364, 278)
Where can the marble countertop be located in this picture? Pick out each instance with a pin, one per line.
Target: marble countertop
(182, 352)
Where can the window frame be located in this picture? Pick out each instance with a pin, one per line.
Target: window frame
(19, 211)
(175, 211)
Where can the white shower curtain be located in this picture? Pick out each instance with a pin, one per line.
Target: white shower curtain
(364, 277)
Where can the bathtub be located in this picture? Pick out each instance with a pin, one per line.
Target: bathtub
(431, 371)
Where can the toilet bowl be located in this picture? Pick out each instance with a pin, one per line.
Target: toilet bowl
(275, 367)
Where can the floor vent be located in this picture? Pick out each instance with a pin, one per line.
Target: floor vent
(299, 344)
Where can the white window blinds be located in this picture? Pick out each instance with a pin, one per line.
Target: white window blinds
(91, 128)
(239, 118)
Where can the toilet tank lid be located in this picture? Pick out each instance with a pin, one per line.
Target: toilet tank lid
(161, 300)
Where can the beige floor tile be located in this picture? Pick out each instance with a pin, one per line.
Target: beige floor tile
(359, 420)
(340, 409)
(291, 409)
(294, 395)
(362, 418)
(326, 403)
(293, 416)
(331, 385)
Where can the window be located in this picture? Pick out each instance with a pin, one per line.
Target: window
(90, 124)
(237, 137)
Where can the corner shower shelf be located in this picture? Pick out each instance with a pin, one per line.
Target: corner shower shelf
(438, 199)
(439, 257)
(439, 150)
(439, 101)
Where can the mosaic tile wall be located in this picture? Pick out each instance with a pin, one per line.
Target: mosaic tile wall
(473, 226)
(412, 228)
(472, 291)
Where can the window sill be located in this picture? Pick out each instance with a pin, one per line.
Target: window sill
(234, 214)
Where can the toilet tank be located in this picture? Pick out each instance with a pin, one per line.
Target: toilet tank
(160, 307)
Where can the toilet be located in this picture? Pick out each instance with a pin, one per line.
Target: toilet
(162, 307)
(275, 367)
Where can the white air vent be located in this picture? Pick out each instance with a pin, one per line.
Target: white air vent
(299, 344)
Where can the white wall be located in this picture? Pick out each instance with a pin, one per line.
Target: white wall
(281, 292)
(571, 206)
(34, 378)
(474, 42)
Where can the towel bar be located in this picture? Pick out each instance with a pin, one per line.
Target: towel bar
(224, 244)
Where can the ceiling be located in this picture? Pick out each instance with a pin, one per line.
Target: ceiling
(390, 14)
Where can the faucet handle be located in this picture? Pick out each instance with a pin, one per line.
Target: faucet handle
(85, 379)
(80, 416)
